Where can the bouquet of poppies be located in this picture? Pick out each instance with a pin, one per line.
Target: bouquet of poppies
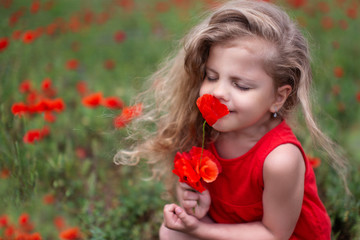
(200, 164)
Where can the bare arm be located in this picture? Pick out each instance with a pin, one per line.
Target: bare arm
(283, 174)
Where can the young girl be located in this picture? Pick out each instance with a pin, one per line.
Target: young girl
(254, 59)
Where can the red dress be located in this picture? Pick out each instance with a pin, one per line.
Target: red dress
(236, 195)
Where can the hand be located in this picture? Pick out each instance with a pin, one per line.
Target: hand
(194, 203)
(175, 218)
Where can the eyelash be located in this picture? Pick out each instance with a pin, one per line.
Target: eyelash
(234, 83)
(240, 87)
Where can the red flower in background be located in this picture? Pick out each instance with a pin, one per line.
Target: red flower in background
(358, 96)
(35, 6)
(211, 108)
(351, 12)
(71, 234)
(113, 103)
(47, 89)
(297, 3)
(72, 64)
(25, 86)
(4, 173)
(49, 117)
(4, 43)
(128, 113)
(59, 223)
(327, 22)
(314, 161)
(4, 221)
(109, 64)
(29, 36)
(119, 36)
(195, 165)
(19, 109)
(92, 100)
(338, 72)
(82, 88)
(49, 199)
(36, 135)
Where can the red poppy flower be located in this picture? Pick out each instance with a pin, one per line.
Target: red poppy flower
(4, 43)
(24, 219)
(128, 113)
(327, 22)
(109, 64)
(49, 199)
(49, 117)
(35, 6)
(127, 5)
(19, 108)
(35, 236)
(314, 161)
(25, 86)
(59, 223)
(119, 36)
(351, 12)
(162, 7)
(82, 88)
(29, 36)
(46, 84)
(338, 72)
(297, 3)
(196, 165)
(184, 167)
(9, 232)
(92, 100)
(80, 153)
(323, 7)
(71, 234)
(358, 96)
(208, 166)
(4, 221)
(31, 136)
(4, 173)
(113, 103)
(336, 90)
(211, 108)
(72, 64)
(36, 135)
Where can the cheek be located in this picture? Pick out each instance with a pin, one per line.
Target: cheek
(203, 89)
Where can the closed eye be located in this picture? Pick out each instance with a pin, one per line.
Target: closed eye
(211, 78)
(241, 87)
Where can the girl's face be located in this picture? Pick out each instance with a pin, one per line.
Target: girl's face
(235, 74)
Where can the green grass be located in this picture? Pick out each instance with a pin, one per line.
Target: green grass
(107, 201)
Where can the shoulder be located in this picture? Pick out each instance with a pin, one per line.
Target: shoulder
(285, 162)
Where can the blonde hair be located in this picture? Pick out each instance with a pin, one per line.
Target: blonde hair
(170, 99)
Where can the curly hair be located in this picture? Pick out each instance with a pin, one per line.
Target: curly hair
(170, 99)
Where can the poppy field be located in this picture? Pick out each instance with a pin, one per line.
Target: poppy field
(69, 72)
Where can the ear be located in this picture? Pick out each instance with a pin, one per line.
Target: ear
(281, 95)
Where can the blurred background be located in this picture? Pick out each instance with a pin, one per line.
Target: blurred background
(68, 73)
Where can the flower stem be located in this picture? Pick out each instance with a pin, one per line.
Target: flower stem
(203, 141)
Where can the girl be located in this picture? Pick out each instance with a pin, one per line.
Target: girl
(254, 59)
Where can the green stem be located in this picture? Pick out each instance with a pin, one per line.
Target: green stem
(203, 141)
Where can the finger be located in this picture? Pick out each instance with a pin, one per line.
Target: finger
(189, 204)
(182, 215)
(184, 186)
(189, 195)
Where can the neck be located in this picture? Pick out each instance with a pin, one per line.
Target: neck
(235, 144)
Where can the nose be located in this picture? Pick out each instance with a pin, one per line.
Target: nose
(220, 91)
